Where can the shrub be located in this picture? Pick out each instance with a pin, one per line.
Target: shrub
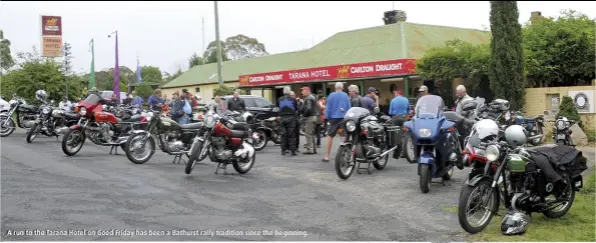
(568, 109)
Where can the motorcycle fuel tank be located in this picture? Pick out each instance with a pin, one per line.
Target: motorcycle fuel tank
(105, 117)
(168, 124)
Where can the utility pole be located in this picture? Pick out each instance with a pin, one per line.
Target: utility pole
(203, 30)
(219, 77)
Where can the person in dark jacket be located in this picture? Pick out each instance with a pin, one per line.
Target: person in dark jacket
(311, 113)
(288, 108)
(298, 119)
(236, 103)
(355, 98)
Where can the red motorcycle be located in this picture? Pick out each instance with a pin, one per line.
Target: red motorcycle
(102, 128)
(226, 141)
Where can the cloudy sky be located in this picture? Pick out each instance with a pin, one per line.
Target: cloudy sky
(165, 34)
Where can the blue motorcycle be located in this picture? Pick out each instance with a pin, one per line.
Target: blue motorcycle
(534, 125)
(435, 140)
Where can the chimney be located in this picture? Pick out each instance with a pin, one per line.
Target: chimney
(394, 16)
(535, 15)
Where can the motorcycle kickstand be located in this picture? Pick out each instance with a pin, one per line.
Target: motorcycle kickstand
(179, 157)
(224, 167)
(114, 149)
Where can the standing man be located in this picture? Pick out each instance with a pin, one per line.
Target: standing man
(186, 109)
(319, 127)
(138, 101)
(370, 100)
(236, 103)
(176, 107)
(423, 90)
(311, 112)
(298, 120)
(355, 98)
(462, 96)
(398, 110)
(338, 103)
(218, 107)
(288, 108)
(155, 102)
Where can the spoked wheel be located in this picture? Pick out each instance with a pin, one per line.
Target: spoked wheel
(562, 208)
(195, 150)
(381, 162)
(72, 142)
(477, 205)
(244, 165)
(32, 133)
(7, 126)
(344, 164)
(204, 151)
(425, 177)
(260, 145)
(139, 148)
(410, 150)
(537, 131)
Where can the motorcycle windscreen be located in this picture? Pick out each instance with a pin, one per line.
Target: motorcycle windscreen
(430, 106)
(356, 113)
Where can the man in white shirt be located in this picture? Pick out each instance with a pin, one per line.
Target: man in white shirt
(462, 97)
(65, 105)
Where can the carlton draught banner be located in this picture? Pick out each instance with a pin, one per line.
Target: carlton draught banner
(358, 70)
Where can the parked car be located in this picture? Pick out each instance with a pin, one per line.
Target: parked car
(257, 105)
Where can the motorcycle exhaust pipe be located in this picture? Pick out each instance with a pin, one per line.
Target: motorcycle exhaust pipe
(388, 151)
(62, 130)
(28, 124)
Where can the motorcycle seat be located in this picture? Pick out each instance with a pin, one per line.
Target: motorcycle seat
(241, 126)
(135, 118)
(531, 118)
(70, 115)
(453, 117)
(191, 126)
(239, 134)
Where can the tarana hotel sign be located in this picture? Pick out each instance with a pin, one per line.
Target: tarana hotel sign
(358, 70)
(51, 36)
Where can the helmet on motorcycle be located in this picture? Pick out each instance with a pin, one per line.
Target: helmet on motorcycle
(486, 128)
(516, 135)
(41, 95)
(515, 223)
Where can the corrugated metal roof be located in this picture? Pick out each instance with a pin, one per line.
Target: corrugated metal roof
(355, 46)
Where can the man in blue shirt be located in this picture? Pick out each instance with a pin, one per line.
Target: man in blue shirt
(338, 103)
(398, 110)
(155, 102)
(137, 101)
(370, 100)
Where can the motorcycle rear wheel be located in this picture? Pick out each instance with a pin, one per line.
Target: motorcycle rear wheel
(538, 131)
(32, 134)
(129, 152)
(381, 162)
(263, 141)
(558, 212)
(65, 141)
(242, 167)
(341, 160)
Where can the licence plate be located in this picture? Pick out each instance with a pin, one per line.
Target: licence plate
(560, 136)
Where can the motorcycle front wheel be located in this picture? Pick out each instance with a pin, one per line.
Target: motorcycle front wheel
(72, 142)
(32, 134)
(480, 198)
(344, 167)
(409, 150)
(204, 151)
(133, 148)
(425, 177)
(6, 128)
(195, 150)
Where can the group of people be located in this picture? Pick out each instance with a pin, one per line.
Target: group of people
(179, 108)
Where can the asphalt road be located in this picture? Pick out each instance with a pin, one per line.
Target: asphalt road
(97, 196)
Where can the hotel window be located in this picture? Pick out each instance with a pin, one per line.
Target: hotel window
(198, 90)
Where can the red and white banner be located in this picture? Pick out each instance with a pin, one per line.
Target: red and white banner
(358, 70)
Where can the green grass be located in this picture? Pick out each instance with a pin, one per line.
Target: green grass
(577, 225)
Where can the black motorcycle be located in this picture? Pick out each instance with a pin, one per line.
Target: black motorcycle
(25, 115)
(512, 174)
(562, 131)
(51, 122)
(368, 140)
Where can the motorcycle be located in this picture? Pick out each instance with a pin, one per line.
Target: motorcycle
(534, 125)
(366, 141)
(510, 174)
(435, 140)
(272, 129)
(102, 128)
(226, 141)
(562, 131)
(172, 138)
(50, 122)
(25, 114)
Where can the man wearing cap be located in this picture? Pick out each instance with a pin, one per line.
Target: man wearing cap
(370, 100)
(423, 90)
(398, 110)
(311, 113)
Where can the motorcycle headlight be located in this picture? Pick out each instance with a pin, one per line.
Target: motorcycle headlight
(12, 102)
(209, 121)
(83, 111)
(45, 110)
(424, 133)
(350, 126)
(492, 153)
(560, 124)
(484, 114)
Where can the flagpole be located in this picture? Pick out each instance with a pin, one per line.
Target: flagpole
(92, 71)
(219, 77)
(116, 68)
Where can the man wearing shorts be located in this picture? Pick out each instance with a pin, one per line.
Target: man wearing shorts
(338, 103)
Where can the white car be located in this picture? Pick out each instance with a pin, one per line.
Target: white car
(4, 106)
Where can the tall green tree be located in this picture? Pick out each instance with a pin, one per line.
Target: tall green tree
(151, 74)
(6, 60)
(507, 60)
(194, 60)
(561, 51)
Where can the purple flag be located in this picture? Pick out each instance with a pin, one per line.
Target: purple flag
(117, 73)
